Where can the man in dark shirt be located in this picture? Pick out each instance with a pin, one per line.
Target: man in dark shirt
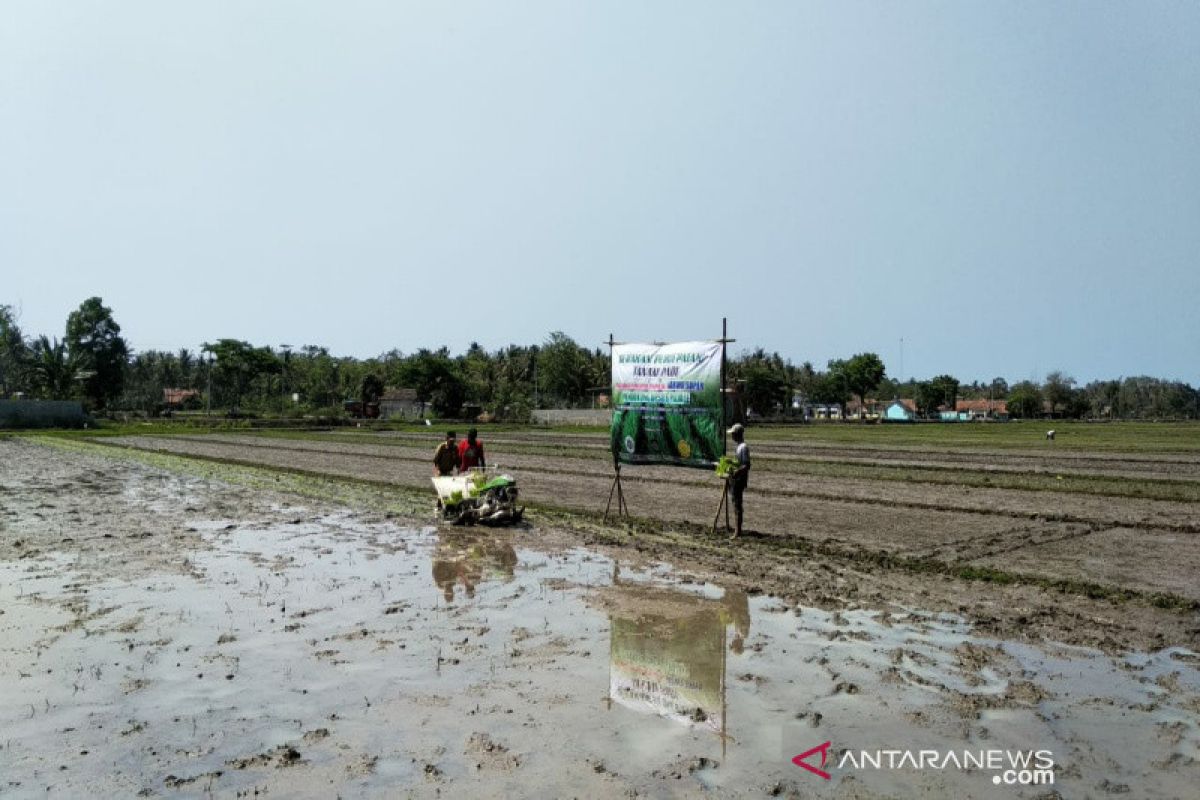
(470, 452)
(445, 459)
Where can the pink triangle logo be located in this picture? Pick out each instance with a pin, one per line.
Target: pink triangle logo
(823, 749)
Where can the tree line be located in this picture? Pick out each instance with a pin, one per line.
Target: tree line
(93, 363)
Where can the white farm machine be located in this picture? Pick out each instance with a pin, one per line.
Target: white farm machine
(475, 498)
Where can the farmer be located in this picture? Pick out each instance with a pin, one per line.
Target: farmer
(445, 459)
(470, 453)
(740, 477)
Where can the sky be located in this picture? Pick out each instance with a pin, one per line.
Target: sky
(1006, 188)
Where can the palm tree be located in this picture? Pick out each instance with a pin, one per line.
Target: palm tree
(187, 363)
(54, 370)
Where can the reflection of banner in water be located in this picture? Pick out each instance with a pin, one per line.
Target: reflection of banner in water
(672, 667)
(667, 403)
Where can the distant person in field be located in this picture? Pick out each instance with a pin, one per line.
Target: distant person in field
(445, 459)
(470, 452)
(740, 477)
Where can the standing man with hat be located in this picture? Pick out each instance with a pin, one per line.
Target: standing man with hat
(740, 477)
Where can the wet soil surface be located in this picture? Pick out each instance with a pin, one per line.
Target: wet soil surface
(1148, 546)
(167, 632)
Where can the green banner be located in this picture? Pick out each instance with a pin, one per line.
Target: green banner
(667, 404)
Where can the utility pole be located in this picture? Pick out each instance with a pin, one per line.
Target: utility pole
(208, 392)
(287, 361)
(724, 432)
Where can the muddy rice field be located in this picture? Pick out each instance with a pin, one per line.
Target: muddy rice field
(239, 615)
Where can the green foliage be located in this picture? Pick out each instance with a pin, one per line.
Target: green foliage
(239, 366)
(94, 341)
(371, 388)
(803, 379)
(725, 466)
(481, 375)
(94, 362)
(436, 379)
(564, 372)
(1058, 390)
(14, 355)
(768, 382)
(1143, 397)
(927, 397)
(860, 374)
(144, 382)
(946, 386)
(763, 389)
(830, 387)
(54, 369)
(1025, 400)
(151, 371)
(322, 380)
(940, 391)
(512, 399)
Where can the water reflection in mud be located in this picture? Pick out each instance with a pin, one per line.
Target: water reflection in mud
(312, 652)
(469, 559)
(667, 651)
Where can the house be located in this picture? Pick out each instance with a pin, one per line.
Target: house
(982, 409)
(871, 409)
(176, 398)
(827, 411)
(901, 410)
(400, 402)
(974, 411)
(360, 410)
(818, 411)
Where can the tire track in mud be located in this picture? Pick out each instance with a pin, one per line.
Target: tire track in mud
(1043, 506)
(970, 549)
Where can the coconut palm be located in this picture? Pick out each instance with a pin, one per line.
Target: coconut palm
(54, 369)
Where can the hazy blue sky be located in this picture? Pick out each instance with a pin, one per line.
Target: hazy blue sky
(1010, 187)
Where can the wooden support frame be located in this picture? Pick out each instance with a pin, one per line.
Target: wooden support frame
(724, 504)
(622, 508)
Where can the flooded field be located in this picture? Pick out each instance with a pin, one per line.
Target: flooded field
(172, 632)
